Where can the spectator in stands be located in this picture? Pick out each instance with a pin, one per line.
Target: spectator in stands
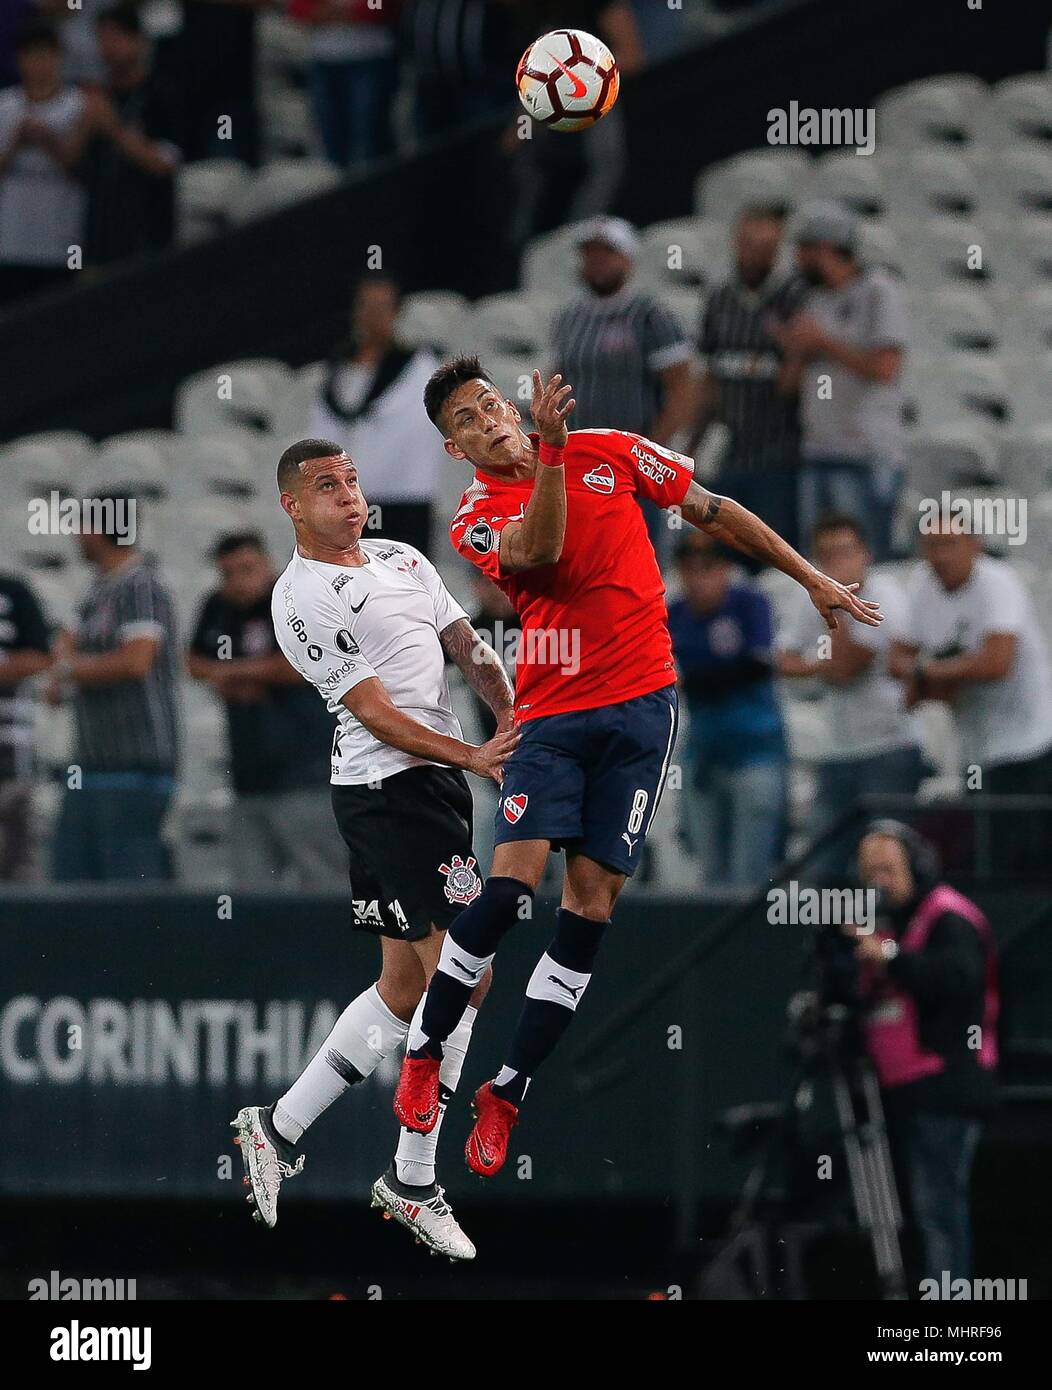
(371, 403)
(76, 27)
(129, 164)
(661, 28)
(120, 667)
(279, 731)
(868, 743)
(741, 387)
(460, 53)
(844, 351)
(42, 135)
(23, 653)
(626, 354)
(218, 63)
(734, 807)
(354, 75)
(929, 987)
(973, 641)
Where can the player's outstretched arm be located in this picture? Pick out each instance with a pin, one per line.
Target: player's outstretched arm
(482, 668)
(371, 705)
(538, 538)
(733, 524)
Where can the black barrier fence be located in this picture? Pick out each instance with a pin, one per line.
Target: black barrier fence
(134, 1024)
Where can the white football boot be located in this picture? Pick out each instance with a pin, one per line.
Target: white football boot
(426, 1213)
(267, 1159)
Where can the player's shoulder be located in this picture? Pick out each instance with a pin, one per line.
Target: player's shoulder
(300, 582)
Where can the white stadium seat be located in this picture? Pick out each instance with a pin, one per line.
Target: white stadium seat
(219, 465)
(938, 252)
(205, 190)
(514, 375)
(550, 262)
(514, 324)
(952, 457)
(930, 183)
(139, 463)
(1027, 321)
(1018, 183)
(435, 318)
(281, 184)
(935, 110)
(35, 464)
(686, 252)
(1023, 252)
(1029, 379)
(856, 181)
(955, 320)
(965, 386)
(768, 176)
(239, 395)
(1027, 460)
(1019, 109)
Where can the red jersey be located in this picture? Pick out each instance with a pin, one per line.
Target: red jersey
(594, 624)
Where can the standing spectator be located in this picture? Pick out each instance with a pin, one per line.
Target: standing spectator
(930, 991)
(626, 355)
(279, 732)
(461, 53)
(869, 743)
(76, 27)
(23, 652)
(129, 165)
(973, 640)
(845, 352)
(371, 404)
(736, 785)
(42, 134)
(218, 62)
(354, 75)
(120, 665)
(742, 386)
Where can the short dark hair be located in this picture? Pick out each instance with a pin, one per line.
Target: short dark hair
(446, 380)
(238, 540)
(37, 33)
(839, 521)
(124, 15)
(300, 452)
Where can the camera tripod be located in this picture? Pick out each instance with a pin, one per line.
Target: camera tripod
(826, 1052)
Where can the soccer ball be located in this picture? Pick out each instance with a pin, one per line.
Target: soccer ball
(567, 79)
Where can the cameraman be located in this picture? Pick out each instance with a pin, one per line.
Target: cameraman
(929, 987)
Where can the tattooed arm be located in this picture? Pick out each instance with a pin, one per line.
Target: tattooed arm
(732, 524)
(482, 669)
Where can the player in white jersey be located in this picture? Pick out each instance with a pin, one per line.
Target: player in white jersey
(369, 624)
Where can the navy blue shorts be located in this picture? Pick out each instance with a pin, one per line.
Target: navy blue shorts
(591, 780)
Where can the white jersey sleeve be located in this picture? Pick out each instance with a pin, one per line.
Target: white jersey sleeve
(315, 633)
(447, 609)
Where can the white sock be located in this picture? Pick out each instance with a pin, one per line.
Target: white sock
(361, 1038)
(415, 1156)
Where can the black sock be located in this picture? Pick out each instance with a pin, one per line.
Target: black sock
(553, 993)
(470, 945)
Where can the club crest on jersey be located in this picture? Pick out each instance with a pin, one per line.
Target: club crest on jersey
(480, 537)
(463, 884)
(514, 808)
(600, 479)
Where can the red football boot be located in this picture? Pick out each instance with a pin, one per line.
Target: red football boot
(487, 1145)
(416, 1100)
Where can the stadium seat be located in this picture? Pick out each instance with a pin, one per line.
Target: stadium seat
(855, 181)
(878, 244)
(1026, 320)
(767, 176)
(1019, 109)
(549, 263)
(952, 457)
(954, 320)
(514, 324)
(35, 464)
(940, 252)
(1027, 460)
(238, 395)
(968, 387)
(1023, 252)
(205, 190)
(1018, 183)
(686, 252)
(930, 183)
(281, 184)
(139, 463)
(289, 131)
(435, 318)
(1029, 378)
(221, 465)
(686, 307)
(513, 373)
(935, 110)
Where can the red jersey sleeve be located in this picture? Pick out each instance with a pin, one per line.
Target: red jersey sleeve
(475, 531)
(657, 472)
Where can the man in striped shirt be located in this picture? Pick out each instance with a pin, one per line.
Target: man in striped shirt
(742, 387)
(120, 665)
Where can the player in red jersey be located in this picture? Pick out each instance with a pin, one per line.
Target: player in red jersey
(554, 520)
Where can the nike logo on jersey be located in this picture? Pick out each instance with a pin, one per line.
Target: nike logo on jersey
(357, 608)
(571, 990)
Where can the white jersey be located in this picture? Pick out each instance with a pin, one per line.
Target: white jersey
(338, 625)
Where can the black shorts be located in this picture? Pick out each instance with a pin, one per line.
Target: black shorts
(410, 844)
